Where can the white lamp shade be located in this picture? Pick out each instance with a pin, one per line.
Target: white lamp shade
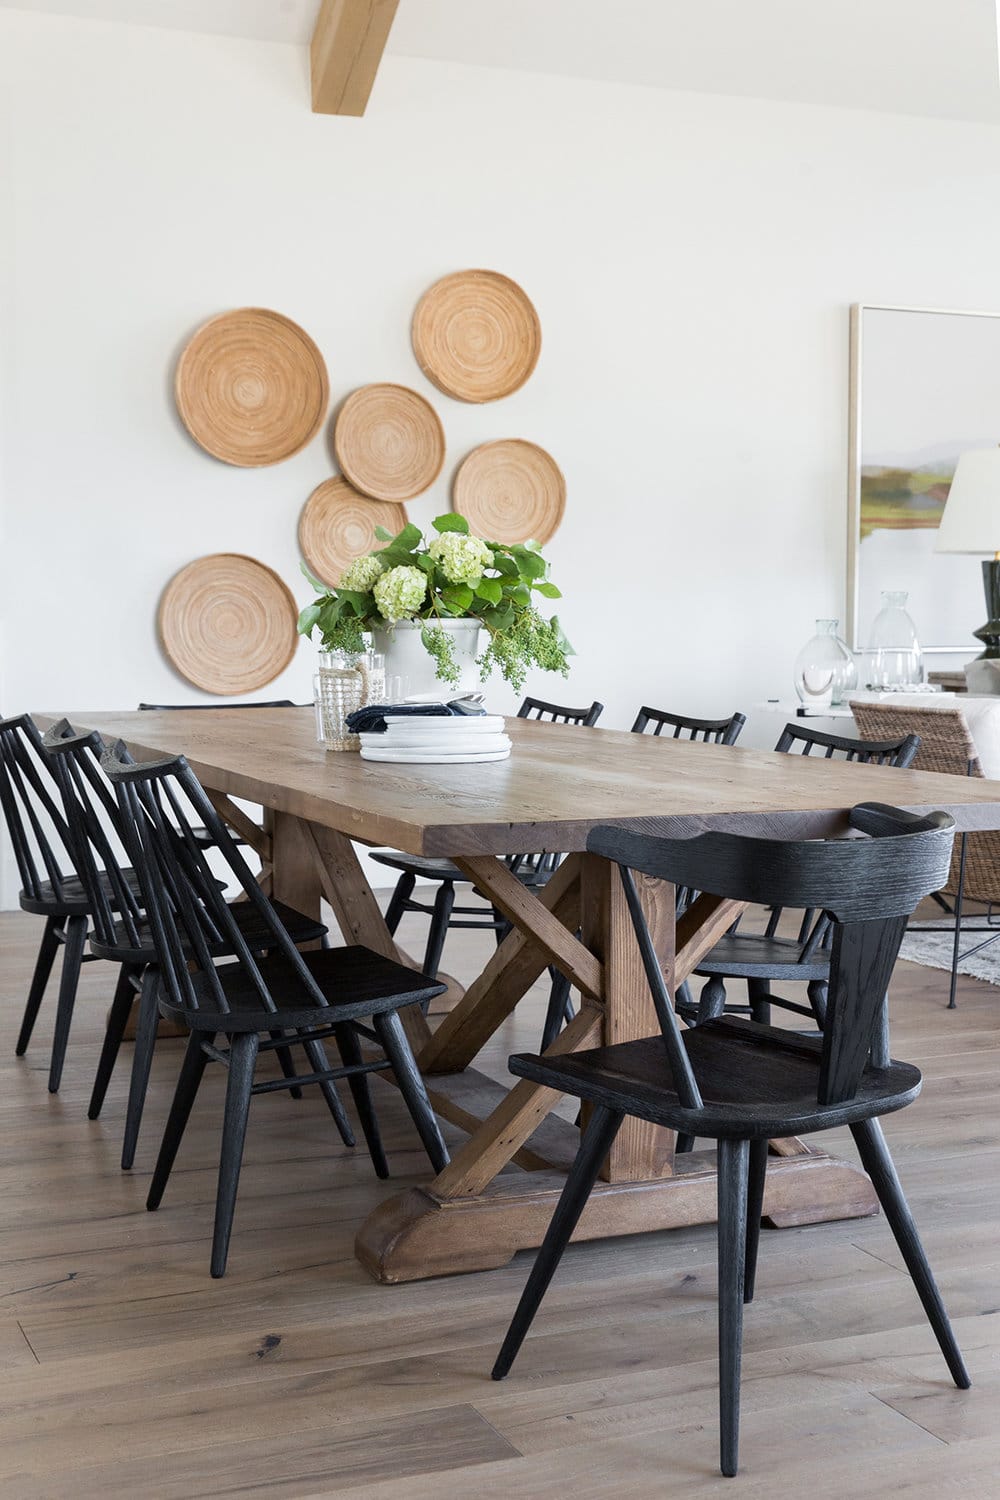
(971, 520)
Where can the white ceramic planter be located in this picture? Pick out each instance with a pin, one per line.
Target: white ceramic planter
(410, 670)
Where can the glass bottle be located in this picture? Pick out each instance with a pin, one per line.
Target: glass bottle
(894, 660)
(345, 681)
(824, 669)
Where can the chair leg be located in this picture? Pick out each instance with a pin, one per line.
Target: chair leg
(712, 1001)
(755, 1208)
(284, 1056)
(683, 1143)
(958, 924)
(878, 1163)
(242, 1061)
(398, 902)
(817, 990)
(597, 1141)
(389, 1029)
(880, 1057)
(759, 995)
(147, 1026)
(440, 918)
(734, 1158)
(73, 945)
(192, 1068)
(350, 1051)
(555, 1011)
(316, 1054)
(43, 968)
(121, 1009)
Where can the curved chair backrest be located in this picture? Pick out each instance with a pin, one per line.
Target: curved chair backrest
(37, 828)
(898, 751)
(718, 731)
(867, 886)
(537, 708)
(95, 832)
(183, 901)
(170, 707)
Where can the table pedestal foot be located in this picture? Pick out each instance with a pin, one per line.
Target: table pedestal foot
(418, 1234)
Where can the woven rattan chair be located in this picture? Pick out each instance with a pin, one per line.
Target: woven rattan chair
(946, 745)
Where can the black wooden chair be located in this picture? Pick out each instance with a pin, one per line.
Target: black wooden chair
(201, 834)
(120, 930)
(305, 997)
(50, 885)
(743, 1083)
(533, 869)
(715, 731)
(762, 959)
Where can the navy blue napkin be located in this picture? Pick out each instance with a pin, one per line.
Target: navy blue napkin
(372, 719)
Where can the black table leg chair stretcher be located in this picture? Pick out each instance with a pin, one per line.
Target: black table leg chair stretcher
(120, 932)
(232, 1007)
(743, 1082)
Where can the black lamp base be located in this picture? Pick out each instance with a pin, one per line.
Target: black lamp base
(989, 633)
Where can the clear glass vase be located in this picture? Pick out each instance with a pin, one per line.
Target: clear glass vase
(894, 661)
(824, 669)
(345, 681)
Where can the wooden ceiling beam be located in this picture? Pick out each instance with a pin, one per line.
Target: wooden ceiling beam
(346, 49)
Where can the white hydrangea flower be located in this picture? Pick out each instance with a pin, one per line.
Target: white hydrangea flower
(400, 592)
(462, 559)
(361, 575)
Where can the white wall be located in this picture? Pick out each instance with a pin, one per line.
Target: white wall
(692, 259)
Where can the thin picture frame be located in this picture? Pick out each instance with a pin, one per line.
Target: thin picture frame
(856, 439)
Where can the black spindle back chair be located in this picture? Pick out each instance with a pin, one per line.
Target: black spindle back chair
(121, 931)
(762, 959)
(707, 731)
(743, 1083)
(50, 884)
(267, 987)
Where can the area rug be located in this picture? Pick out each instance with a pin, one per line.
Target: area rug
(932, 947)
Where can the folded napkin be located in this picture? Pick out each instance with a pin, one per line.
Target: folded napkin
(372, 719)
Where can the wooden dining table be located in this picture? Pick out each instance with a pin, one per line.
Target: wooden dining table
(497, 1194)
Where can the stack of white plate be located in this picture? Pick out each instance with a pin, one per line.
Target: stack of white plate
(432, 741)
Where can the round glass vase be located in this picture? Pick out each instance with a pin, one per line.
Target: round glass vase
(894, 661)
(824, 669)
(339, 687)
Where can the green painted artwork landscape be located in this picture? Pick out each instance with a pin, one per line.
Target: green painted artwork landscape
(900, 499)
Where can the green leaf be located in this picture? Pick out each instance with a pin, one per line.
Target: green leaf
(382, 534)
(529, 564)
(397, 557)
(410, 537)
(548, 590)
(360, 603)
(451, 522)
(490, 589)
(500, 619)
(557, 631)
(320, 588)
(519, 594)
(457, 598)
(505, 565)
(426, 563)
(308, 618)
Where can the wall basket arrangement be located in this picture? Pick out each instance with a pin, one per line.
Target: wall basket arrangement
(389, 442)
(476, 335)
(251, 387)
(228, 623)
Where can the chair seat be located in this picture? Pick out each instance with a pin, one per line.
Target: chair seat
(756, 1082)
(258, 935)
(443, 869)
(355, 981)
(753, 956)
(72, 900)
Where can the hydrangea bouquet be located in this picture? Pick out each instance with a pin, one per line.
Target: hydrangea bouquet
(455, 576)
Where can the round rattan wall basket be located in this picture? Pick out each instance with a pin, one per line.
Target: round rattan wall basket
(251, 387)
(389, 442)
(476, 335)
(228, 623)
(510, 491)
(338, 524)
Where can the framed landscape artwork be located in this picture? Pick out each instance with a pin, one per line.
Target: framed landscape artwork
(925, 386)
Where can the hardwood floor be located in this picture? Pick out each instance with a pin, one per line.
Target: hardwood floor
(126, 1371)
